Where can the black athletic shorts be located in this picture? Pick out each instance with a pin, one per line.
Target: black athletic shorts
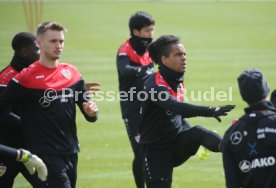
(10, 169)
(158, 163)
(186, 145)
(62, 171)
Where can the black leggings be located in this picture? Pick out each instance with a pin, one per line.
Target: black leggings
(187, 143)
(137, 163)
(159, 164)
(12, 170)
(160, 184)
(62, 171)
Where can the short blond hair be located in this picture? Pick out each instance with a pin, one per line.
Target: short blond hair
(42, 28)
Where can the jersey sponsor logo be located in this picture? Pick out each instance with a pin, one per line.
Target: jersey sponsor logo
(246, 166)
(44, 102)
(252, 115)
(266, 130)
(252, 148)
(3, 170)
(40, 77)
(137, 138)
(49, 95)
(261, 132)
(261, 136)
(236, 138)
(66, 73)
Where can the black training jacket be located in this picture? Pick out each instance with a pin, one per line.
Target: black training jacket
(163, 112)
(10, 124)
(46, 98)
(249, 149)
(132, 77)
(7, 153)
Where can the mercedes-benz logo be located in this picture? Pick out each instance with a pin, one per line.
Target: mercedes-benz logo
(236, 138)
(49, 95)
(44, 102)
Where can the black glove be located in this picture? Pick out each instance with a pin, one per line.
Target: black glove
(145, 70)
(221, 111)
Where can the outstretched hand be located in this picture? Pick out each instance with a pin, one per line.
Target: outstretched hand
(222, 111)
(92, 87)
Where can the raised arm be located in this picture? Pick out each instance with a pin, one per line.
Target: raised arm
(185, 109)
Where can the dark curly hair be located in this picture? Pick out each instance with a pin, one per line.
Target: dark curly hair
(139, 20)
(162, 47)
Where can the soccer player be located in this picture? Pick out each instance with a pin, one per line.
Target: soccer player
(249, 152)
(46, 93)
(166, 139)
(31, 162)
(134, 66)
(26, 52)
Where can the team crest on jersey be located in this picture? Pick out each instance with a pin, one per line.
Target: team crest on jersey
(3, 170)
(66, 73)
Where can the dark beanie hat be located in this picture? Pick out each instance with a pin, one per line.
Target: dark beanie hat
(22, 40)
(253, 86)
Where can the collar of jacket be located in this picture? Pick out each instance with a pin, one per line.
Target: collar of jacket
(173, 78)
(139, 44)
(261, 106)
(19, 63)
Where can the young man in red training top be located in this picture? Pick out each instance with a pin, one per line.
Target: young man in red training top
(134, 66)
(46, 93)
(167, 140)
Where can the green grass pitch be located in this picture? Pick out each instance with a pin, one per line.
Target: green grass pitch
(222, 40)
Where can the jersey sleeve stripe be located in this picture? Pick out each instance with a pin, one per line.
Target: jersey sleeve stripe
(122, 54)
(15, 80)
